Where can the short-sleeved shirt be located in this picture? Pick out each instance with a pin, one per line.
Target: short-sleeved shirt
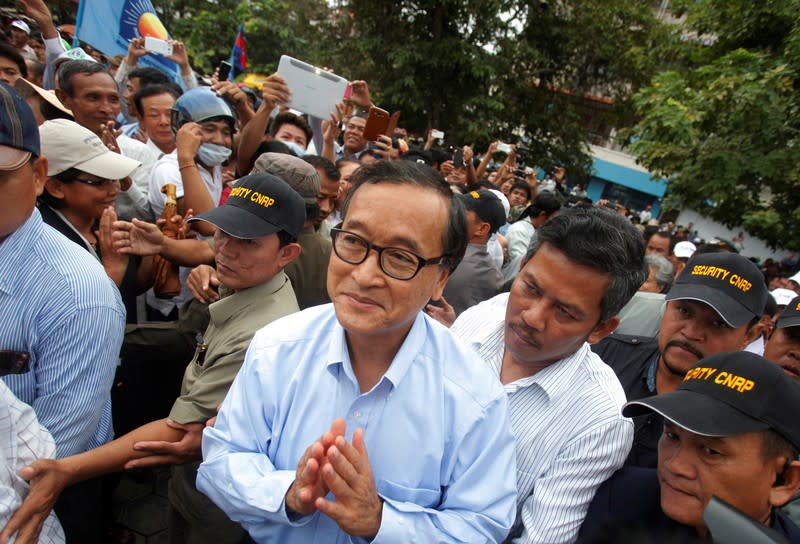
(234, 320)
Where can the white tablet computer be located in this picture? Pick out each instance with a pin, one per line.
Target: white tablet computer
(314, 91)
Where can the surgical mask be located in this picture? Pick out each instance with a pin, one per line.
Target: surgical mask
(295, 147)
(213, 154)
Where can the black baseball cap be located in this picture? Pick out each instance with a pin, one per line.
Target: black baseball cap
(487, 206)
(19, 133)
(258, 205)
(729, 283)
(729, 394)
(790, 317)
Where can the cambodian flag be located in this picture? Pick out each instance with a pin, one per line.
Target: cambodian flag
(238, 54)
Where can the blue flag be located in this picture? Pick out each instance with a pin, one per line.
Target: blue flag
(238, 58)
(108, 26)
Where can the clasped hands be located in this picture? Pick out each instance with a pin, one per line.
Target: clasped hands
(332, 464)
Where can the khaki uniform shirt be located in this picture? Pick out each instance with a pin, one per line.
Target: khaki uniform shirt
(309, 272)
(234, 320)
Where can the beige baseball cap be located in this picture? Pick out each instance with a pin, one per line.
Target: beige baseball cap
(66, 144)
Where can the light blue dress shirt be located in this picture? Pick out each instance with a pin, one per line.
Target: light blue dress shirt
(58, 304)
(435, 427)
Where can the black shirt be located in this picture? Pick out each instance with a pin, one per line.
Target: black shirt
(634, 360)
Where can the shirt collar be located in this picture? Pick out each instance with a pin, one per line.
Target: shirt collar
(557, 378)
(15, 249)
(338, 353)
(231, 305)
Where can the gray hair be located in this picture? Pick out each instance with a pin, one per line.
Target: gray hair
(665, 272)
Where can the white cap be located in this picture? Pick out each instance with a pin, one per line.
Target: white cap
(503, 200)
(73, 54)
(66, 144)
(22, 25)
(684, 250)
(795, 278)
(782, 296)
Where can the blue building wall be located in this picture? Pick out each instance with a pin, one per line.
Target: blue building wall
(639, 187)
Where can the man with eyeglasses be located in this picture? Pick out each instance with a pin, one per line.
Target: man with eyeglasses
(57, 305)
(365, 419)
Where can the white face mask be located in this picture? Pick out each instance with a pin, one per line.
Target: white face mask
(295, 147)
(213, 154)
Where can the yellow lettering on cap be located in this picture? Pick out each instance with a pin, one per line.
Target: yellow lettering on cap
(262, 200)
(740, 283)
(748, 385)
(240, 192)
(721, 377)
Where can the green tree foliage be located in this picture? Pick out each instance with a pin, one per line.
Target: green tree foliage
(722, 124)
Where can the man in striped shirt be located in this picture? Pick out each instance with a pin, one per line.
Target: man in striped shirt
(564, 402)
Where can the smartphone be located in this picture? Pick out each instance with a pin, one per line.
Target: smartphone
(348, 92)
(377, 123)
(503, 148)
(392, 124)
(154, 45)
(458, 158)
(528, 170)
(224, 70)
(437, 134)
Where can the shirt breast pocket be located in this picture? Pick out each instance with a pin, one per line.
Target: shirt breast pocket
(426, 498)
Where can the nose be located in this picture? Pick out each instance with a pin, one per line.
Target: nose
(369, 273)
(535, 315)
(675, 457)
(693, 330)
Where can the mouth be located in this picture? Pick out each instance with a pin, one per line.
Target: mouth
(225, 268)
(791, 370)
(520, 336)
(361, 302)
(684, 347)
(676, 490)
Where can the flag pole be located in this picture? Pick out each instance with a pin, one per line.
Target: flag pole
(78, 21)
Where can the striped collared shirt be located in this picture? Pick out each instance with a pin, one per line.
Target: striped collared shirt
(567, 421)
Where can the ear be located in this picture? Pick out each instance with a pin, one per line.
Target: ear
(39, 174)
(786, 487)
(54, 187)
(288, 253)
(603, 329)
(754, 332)
(483, 229)
(438, 288)
(62, 97)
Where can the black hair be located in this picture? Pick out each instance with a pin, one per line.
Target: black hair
(71, 67)
(284, 238)
(454, 238)
(11, 53)
(545, 202)
(521, 185)
(37, 68)
(153, 90)
(347, 160)
(601, 240)
(288, 118)
(149, 76)
(67, 176)
(327, 167)
(775, 445)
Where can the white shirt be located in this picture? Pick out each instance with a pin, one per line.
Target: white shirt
(519, 235)
(133, 202)
(567, 420)
(23, 440)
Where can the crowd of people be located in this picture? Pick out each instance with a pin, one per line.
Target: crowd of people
(343, 340)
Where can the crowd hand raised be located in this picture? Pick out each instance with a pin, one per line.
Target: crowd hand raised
(275, 92)
(492, 148)
(308, 486)
(109, 134)
(357, 509)
(136, 50)
(179, 55)
(231, 91)
(137, 238)
(47, 480)
(444, 313)
(36, 10)
(331, 128)
(360, 94)
(163, 453)
(203, 283)
(446, 168)
(383, 147)
(468, 154)
(114, 261)
(188, 141)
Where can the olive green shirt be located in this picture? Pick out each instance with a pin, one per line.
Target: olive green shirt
(235, 318)
(309, 272)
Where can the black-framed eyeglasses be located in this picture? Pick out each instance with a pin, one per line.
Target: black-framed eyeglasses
(397, 263)
(97, 182)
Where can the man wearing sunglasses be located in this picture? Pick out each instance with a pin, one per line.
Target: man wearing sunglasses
(365, 418)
